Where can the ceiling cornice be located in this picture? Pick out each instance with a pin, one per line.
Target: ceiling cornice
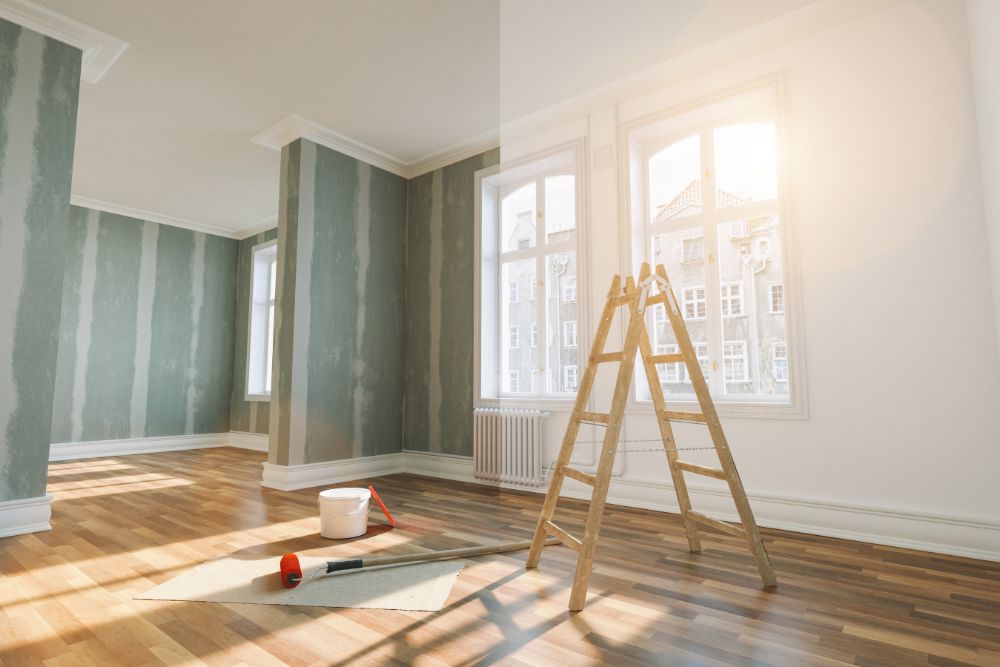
(293, 127)
(100, 50)
(158, 218)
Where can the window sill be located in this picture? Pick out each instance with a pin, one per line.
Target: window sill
(528, 403)
(728, 410)
(257, 398)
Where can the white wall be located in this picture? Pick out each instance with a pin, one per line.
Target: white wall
(901, 442)
(984, 47)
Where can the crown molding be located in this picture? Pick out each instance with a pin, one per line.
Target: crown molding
(270, 222)
(100, 50)
(149, 216)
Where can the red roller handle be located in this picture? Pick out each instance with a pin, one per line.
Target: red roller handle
(385, 510)
(291, 571)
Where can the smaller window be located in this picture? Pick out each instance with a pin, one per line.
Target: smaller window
(260, 343)
(732, 299)
(514, 380)
(701, 352)
(569, 378)
(672, 373)
(512, 292)
(569, 333)
(779, 362)
(694, 249)
(534, 335)
(734, 361)
(533, 290)
(513, 338)
(569, 288)
(777, 298)
(694, 303)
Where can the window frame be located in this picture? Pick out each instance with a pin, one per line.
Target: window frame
(770, 298)
(726, 300)
(266, 325)
(766, 97)
(566, 158)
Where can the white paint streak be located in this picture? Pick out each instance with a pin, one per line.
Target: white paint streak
(16, 173)
(197, 301)
(298, 405)
(252, 426)
(143, 329)
(434, 290)
(363, 250)
(88, 279)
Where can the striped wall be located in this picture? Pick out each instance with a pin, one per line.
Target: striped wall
(39, 89)
(336, 390)
(246, 416)
(146, 333)
(440, 269)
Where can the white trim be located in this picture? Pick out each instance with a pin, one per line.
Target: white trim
(140, 214)
(971, 537)
(256, 442)
(268, 223)
(100, 50)
(26, 515)
(308, 475)
(68, 451)
(293, 127)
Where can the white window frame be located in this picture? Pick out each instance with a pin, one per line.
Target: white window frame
(570, 333)
(569, 289)
(770, 298)
(575, 374)
(743, 356)
(263, 257)
(569, 158)
(643, 125)
(726, 300)
(775, 359)
(694, 301)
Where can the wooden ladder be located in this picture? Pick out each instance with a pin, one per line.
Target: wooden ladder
(637, 298)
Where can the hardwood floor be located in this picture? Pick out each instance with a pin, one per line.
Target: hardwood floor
(123, 525)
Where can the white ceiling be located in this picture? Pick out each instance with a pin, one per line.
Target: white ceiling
(167, 130)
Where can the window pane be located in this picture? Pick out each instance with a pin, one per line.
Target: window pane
(749, 266)
(745, 164)
(675, 180)
(520, 360)
(560, 208)
(687, 277)
(561, 316)
(517, 219)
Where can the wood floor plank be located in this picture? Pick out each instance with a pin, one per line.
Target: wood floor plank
(122, 525)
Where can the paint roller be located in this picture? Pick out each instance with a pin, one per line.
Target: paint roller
(291, 569)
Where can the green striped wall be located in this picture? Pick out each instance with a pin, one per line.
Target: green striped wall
(39, 89)
(336, 390)
(440, 271)
(246, 416)
(146, 333)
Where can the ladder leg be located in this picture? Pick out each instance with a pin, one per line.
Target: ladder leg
(670, 446)
(573, 427)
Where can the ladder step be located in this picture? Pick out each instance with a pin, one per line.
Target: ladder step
(562, 535)
(701, 470)
(608, 357)
(728, 528)
(579, 475)
(622, 299)
(655, 299)
(667, 359)
(594, 417)
(676, 416)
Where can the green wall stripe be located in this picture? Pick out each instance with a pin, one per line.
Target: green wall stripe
(85, 320)
(144, 330)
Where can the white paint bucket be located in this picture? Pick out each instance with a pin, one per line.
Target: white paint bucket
(343, 512)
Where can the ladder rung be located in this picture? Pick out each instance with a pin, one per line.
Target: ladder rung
(676, 416)
(701, 470)
(667, 359)
(562, 535)
(608, 357)
(579, 475)
(622, 299)
(655, 299)
(722, 526)
(594, 417)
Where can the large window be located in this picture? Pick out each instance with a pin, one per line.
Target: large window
(528, 248)
(260, 344)
(706, 204)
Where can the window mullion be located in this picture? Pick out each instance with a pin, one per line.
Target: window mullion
(713, 289)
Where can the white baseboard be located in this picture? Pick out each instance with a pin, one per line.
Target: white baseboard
(27, 515)
(66, 451)
(957, 536)
(291, 478)
(253, 441)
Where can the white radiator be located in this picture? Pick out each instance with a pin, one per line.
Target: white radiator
(508, 446)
